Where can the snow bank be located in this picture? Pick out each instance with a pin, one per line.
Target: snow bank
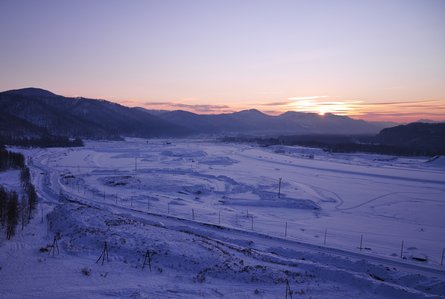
(437, 161)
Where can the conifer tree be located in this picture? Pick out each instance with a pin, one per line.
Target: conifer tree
(24, 213)
(11, 216)
(3, 202)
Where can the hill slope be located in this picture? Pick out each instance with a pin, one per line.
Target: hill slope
(426, 136)
(79, 117)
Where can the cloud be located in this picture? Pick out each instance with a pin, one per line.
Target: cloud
(272, 112)
(199, 108)
(411, 110)
(157, 103)
(405, 111)
(430, 104)
(307, 98)
(284, 103)
(403, 114)
(386, 111)
(129, 102)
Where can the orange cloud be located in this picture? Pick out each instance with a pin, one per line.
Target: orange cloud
(405, 111)
(400, 111)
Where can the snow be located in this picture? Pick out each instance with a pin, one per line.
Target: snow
(438, 161)
(211, 213)
(10, 180)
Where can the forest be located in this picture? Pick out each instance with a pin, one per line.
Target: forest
(16, 208)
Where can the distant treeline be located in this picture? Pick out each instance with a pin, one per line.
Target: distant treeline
(377, 149)
(343, 144)
(45, 141)
(10, 160)
(13, 210)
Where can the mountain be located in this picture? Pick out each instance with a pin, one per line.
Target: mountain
(257, 123)
(385, 124)
(422, 136)
(12, 126)
(32, 91)
(429, 121)
(194, 122)
(151, 111)
(313, 123)
(36, 111)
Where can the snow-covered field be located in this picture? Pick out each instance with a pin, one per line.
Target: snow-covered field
(212, 214)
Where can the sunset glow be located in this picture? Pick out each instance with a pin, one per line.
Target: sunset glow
(322, 107)
(220, 57)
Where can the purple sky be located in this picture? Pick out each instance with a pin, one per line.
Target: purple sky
(371, 59)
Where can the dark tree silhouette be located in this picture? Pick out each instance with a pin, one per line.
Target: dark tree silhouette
(11, 215)
(10, 207)
(3, 205)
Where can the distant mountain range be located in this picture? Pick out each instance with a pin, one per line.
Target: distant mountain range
(34, 112)
(257, 123)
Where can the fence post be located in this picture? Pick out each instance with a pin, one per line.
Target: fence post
(219, 217)
(443, 253)
(325, 233)
(252, 222)
(193, 214)
(401, 251)
(168, 208)
(279, 188)
(285, 230)
(361, 242)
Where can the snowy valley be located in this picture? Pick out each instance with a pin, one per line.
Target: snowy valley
(193, 218)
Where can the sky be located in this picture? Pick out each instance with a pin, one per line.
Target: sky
(376, 60)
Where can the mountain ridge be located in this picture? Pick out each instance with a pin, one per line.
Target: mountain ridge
(39, 109)
(81, 117)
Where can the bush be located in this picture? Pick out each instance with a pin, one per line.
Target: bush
(86, 271)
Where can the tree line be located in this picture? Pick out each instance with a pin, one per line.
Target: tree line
(44, 141)
(342, 144)
(10, 160)
(12, 210)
